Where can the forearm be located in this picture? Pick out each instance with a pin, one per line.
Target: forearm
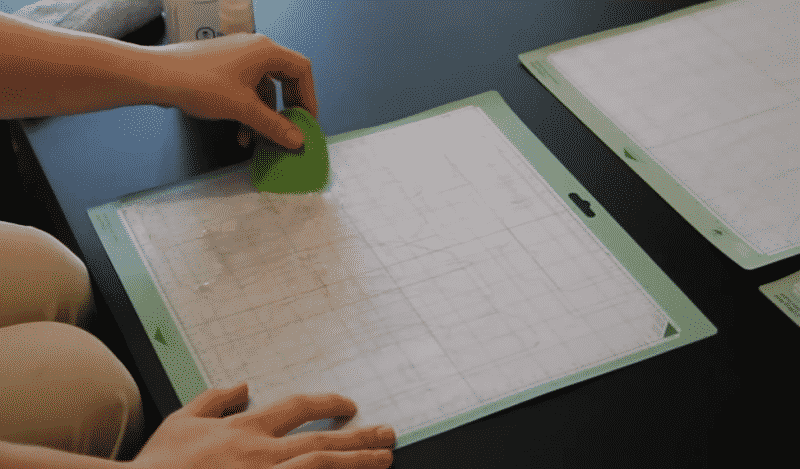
(49, 71)
(37, 457)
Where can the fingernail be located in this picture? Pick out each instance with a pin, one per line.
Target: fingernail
(384, 428)
(295, 136)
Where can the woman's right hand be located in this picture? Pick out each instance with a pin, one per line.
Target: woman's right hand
(198, 436)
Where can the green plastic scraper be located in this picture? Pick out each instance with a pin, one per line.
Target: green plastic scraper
(293, 171)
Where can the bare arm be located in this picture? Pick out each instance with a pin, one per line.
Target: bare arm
(13, 455)
(49, 71)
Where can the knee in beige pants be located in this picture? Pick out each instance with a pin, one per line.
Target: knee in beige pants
(59, 385)
(62, 388)
(40, 279)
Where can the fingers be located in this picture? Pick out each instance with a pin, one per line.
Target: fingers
(299, 91)
(272, 124)
(340, 459)
(288, 134)
(338, 440)
(289, 413)
(294, 71)
(212, 403)
(270, 60)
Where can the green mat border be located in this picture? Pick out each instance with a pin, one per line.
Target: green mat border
(781, 293)
(688, 323)
(708, 223)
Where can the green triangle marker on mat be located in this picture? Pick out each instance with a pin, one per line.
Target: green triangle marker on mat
(160, 337)
(293, 171)
(670, 331)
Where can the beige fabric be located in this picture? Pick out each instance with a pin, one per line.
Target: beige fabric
(59, 385)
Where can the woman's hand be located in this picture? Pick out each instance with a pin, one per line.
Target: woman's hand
(198, 436)
(226, 78)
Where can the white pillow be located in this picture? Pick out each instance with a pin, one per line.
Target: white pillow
(112, 18)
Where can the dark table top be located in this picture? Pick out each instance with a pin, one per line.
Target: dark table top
(376, 62)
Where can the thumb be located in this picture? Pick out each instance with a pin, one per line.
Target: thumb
(272, 125)
(212, 403)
